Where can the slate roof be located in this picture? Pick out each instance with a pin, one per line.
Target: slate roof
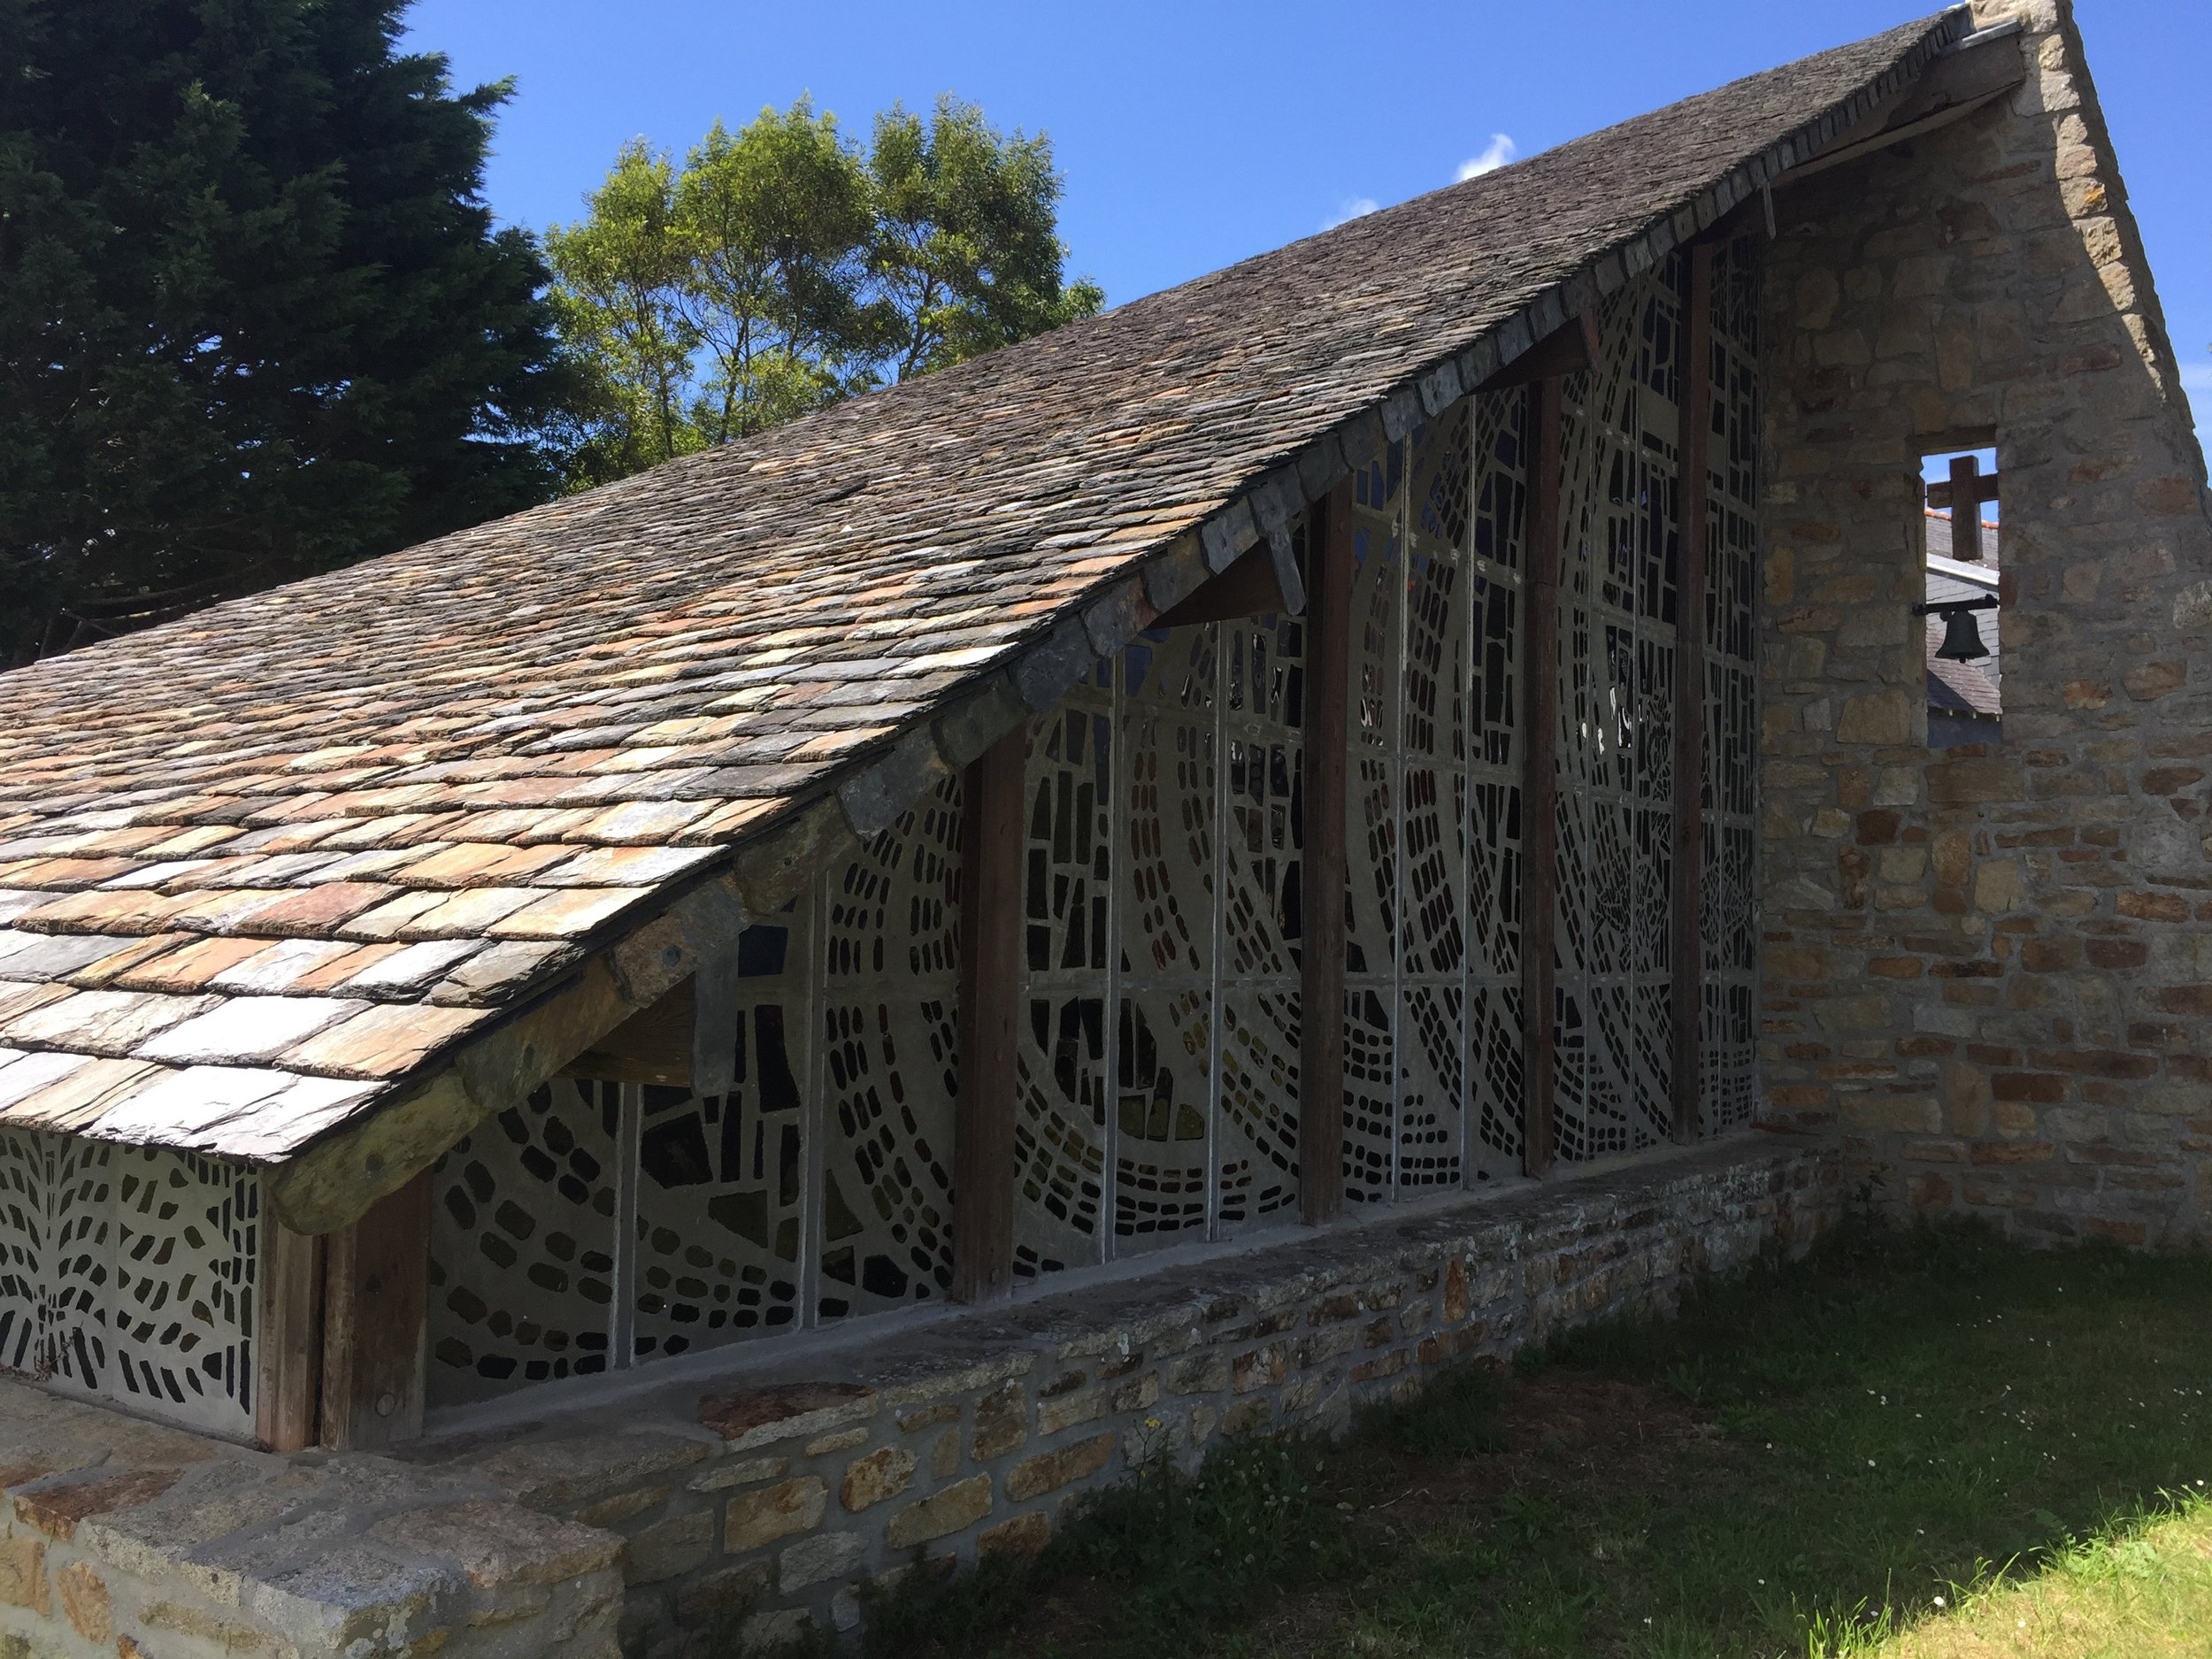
(262, 867)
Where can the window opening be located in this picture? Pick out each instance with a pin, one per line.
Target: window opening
(1961, 573)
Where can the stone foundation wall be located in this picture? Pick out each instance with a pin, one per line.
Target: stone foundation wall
(1990, 967)
(756, 1493)
(123, 1540)
(770, 1502)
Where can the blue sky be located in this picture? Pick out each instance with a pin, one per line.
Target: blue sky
(1193, 134)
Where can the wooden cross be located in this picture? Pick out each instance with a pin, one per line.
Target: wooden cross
(1967, 485)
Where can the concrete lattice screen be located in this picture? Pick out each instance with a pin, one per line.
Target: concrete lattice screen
(1157, 1093)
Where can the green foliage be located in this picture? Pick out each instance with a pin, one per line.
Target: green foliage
(781, 268)
(965, 255)
(1185, 1551)
(1455, 1416)
(255, 321)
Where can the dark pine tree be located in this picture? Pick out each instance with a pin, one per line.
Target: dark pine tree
(256, 321)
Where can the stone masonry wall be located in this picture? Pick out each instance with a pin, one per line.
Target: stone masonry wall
(124, 1540)
(1990, 967)
(754, 1495)
(763, 1506)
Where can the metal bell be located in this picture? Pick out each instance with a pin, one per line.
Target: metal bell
(1962, 638)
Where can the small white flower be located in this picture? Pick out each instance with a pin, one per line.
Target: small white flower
(1938, 1600)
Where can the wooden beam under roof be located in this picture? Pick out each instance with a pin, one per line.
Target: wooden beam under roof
(1324, 758)
(1973, 73)
(1540, 782)
(992, 794)
(1694, 499)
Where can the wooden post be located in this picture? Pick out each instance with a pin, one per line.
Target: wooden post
(1326, 754)
(992, 800)
(1540, 780)
(376, 1299)
(1688, 935)
(288, 1366)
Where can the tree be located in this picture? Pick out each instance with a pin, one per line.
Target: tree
(776, 221)
(618, 305)
(255, 319)
(965, 257)
(780, 269)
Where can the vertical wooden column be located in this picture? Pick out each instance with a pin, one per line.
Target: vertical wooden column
(288, 1366)
(1686, 937)
(1539, 783)
(1326, 752)
(376, 1301)
(992, 799)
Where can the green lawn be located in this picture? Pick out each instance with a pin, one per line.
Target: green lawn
(1912, 1444)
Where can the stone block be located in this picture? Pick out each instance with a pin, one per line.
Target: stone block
(743, 1472)
(173, 1618)
(754, 1518)
(1023, 1535)
(704, 1600)
(56, 1507)
(622, 1507)
(1001, 1422)
(669, 1548)
(497, 1545)
(812, 1561)
(1203, 1373)
(1049, 1472)
(883, 1473)
(559, 1471)
(23, 1572)
(754, 1416)
(952, 1508)
(1086, 1405)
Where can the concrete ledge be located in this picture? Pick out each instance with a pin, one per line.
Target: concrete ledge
(767, 1482)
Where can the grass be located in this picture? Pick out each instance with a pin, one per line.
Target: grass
(1912, 1444)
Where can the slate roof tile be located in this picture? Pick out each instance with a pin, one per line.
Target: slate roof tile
(385, 1041)
(81, 1097)
(240, 1030)
(522, 738)
(567, 914)
(112, 1023)
(192, 965)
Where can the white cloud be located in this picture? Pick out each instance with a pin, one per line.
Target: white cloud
(2197, 376)
(1352, 208)
(1495, 154)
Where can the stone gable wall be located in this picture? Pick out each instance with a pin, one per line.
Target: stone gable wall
(1990, 967)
